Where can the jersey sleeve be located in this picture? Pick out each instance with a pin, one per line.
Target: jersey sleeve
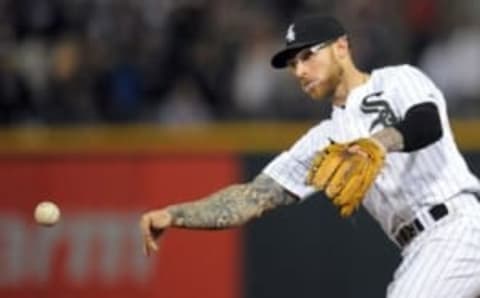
(290, 168)
(412, 87)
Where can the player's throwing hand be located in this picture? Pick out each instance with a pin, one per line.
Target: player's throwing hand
(152, 225)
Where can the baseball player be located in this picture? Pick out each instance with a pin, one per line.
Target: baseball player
(387, 146)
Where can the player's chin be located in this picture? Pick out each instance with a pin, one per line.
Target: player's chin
(317, 94)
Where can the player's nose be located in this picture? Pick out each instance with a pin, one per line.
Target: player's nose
(300, 69)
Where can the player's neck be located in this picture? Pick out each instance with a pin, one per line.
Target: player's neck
(351, 79)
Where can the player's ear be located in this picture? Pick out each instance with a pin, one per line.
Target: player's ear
(341, 48)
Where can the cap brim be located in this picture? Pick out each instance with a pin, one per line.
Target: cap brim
(280, 59)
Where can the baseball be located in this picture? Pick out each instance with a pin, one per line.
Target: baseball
(47, 213)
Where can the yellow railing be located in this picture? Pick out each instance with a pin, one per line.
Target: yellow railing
(244, 137)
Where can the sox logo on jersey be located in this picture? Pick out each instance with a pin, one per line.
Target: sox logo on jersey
(385, 117)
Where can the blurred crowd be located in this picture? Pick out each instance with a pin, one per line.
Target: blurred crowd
(184, 61)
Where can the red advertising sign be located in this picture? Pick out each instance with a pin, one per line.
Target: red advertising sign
(95, 250)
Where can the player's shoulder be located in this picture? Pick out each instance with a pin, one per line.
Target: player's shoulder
(395, 70)
(399, 75)
(321, 127)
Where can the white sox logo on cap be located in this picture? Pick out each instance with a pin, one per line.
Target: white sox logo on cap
(305, 32)
(290, 34)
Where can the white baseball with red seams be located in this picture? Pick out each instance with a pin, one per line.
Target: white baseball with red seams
(408, 185)
(47, 213)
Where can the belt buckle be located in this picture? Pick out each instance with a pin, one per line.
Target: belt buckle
(408, 232)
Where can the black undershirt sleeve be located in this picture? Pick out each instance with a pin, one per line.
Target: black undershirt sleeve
(420, 127)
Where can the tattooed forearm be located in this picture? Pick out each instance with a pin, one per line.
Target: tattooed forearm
(391, 138)
(232, 206)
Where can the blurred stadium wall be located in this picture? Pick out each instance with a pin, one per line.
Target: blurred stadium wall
(104, 177)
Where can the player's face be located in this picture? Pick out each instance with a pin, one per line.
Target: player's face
(317, 70)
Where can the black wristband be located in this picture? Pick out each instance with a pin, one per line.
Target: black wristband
(420, 127)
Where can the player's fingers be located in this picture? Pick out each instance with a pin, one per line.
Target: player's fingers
(147, 238)
(357, 150)
(151, 246)
(145, 243)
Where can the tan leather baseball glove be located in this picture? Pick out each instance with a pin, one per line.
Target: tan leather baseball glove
(346, 171)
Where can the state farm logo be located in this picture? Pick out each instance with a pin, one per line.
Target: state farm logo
(97, 247)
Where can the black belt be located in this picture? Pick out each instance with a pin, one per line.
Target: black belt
(409, 231)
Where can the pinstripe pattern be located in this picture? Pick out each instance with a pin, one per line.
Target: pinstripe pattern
(444, 260)
(446, 256)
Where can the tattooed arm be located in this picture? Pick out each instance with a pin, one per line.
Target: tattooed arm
(230, 207)
(390, 138)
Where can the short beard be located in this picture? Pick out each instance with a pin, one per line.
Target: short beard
(331, 85)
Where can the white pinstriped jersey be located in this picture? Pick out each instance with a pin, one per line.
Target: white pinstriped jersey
(409, 181)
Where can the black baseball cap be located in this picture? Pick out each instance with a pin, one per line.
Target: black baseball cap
(305, 32)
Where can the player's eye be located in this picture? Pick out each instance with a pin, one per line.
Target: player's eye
(292, 63)
(301, 56)
(304, 55)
